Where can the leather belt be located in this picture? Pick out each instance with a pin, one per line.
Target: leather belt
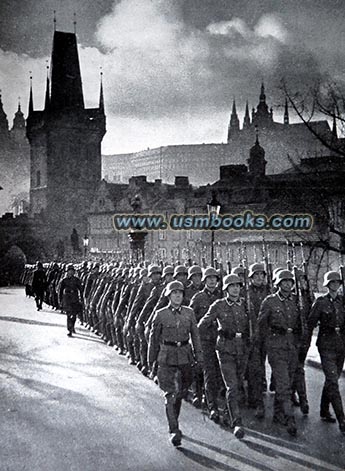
(175, 344)
(235, 335)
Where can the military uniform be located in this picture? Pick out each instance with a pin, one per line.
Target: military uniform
(330, 314)
(200, 304)
(279, 328)
(39, 284)
(70, 295)
(232, 348)
(169, 345)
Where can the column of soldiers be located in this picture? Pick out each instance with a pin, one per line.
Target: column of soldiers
(206, 334)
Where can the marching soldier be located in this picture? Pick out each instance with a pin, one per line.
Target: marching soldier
(200, 304)
(39, 284)
(232, 346)
(194, 276)
(172, 329)
(70, 294)
(257, 292)
(328, 310)
(280, 330)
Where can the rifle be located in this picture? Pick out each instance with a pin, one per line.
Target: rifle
(288, 259)
(228, 264)
(305, 272)
(204, 264)
(298, 290)
(342, 272)
(246, 288)
(268, 265)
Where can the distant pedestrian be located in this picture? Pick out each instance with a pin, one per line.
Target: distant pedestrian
(39, 284)
(70, 296)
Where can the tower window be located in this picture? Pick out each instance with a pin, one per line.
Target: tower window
(38, 178)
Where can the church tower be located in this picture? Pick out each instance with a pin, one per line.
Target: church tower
(65, 144)
(246, 119)
(257, 162)
(263, 117)
(18, 131)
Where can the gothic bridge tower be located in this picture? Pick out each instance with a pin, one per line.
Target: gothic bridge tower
(65, 144)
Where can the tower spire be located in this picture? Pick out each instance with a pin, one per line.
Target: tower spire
(246, 120)
(75, 23)
(31, 100)
(286, 112)
(262, 93)
(54, 20)
(47, 97)
(101, 97)
(234, 125)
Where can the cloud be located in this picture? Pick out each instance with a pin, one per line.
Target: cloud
(166, 81)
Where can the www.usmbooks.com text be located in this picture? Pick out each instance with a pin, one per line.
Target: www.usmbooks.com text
(226, 222)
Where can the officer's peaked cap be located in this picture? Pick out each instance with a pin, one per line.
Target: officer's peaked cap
(194, 270)
(231, 279)
(210, 271)
(172, 286)
(331, 276)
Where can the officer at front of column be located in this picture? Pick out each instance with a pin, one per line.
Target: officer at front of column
(70, 296)
(169, 344)
(328, 310)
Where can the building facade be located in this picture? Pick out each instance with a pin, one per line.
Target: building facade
(283, 142)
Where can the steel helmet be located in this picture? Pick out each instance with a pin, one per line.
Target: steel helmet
(143, 272)
(180, 269)
(172, 286)
(194, 270)
(154, 269)
(210, 271)
(169, 269)
(237, 270)
(331, 276)
(231, 279)
(275, 272)
(283, 275)
(256, 268)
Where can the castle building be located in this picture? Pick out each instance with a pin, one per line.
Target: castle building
(65, 144)
(284, 143)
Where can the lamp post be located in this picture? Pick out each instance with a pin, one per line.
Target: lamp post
(85, 244)
(213, 209)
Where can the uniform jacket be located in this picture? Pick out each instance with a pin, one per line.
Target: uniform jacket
(174, 325)
(232, 319)
(39, 281)
(279, 322)
(200, 304)
(70, 289)
(330, 314)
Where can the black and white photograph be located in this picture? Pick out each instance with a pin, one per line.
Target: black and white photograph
(172, 235)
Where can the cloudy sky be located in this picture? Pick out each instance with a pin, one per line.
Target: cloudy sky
(172, 67)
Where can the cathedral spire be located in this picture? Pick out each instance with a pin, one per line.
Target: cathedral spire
(101, 97)
(234, 125)
(246, 120)
(286, 112)
(262, 93)
(31, 100)
(47, 97)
